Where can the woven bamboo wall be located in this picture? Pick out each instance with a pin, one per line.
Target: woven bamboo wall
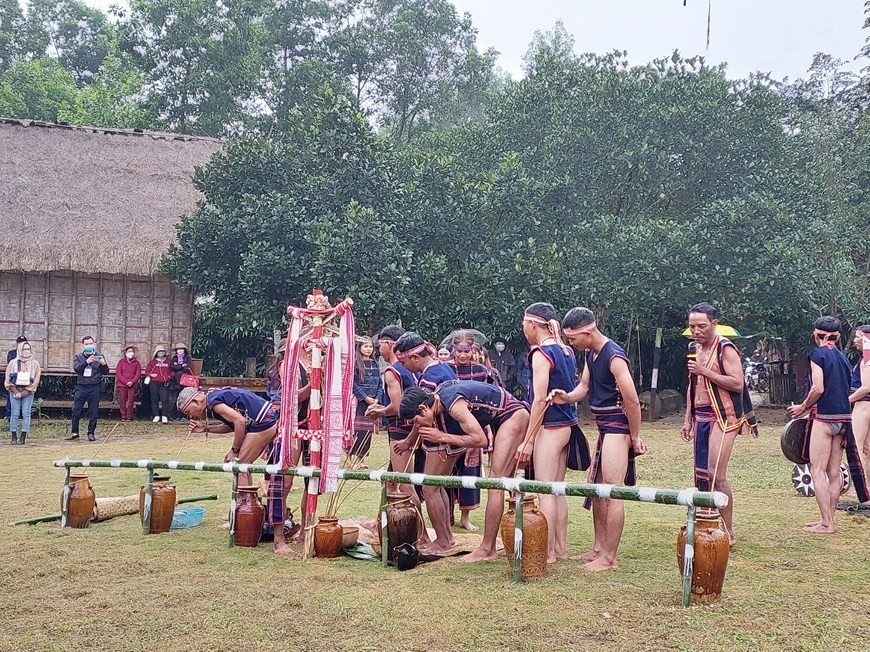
(55, 310)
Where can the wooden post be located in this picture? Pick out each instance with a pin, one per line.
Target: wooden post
(234, 497)
(518, 536)
(689, 556)
(146, 508)
(64, 504)
(250, 367)
(385, 541)
(657, 356)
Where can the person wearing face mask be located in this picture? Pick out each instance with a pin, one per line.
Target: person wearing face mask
(180, 365)
(22, 380)
(159, 374)
(10, 356)
(127, 374)
(504, 362)
(90, 367)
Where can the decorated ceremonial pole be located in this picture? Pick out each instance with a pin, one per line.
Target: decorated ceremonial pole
(312, 487)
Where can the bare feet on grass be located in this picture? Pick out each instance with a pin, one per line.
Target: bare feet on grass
(480, 555)
(600, 564)
(820, 529)
(592, 555)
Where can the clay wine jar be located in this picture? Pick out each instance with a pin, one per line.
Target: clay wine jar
(162, 504)
(328, 537)
(81, 501)
(711, 556)
(534, 546)
(249, 518)
(403, 523)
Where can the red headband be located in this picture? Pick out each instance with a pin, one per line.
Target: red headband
(404, 355)
(535, 319)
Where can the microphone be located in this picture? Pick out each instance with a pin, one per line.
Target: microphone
(693, 350)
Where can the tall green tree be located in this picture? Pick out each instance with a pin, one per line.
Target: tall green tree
(79, 36)
(202, 60)
(38, 90)
(12, 28)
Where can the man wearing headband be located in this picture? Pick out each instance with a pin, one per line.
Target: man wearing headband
(416, 355)
(254, 423)
(553, 436)
(469, 462)
(717, 407)
(608, 383)
(457, 414)
(830, 424)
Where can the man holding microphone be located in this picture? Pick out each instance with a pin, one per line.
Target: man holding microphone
(90, 367)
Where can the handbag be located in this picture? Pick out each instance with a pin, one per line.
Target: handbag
(189, 380)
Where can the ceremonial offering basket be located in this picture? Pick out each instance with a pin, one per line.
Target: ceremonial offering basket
(81, 501)
(328, 536)
(711, 556)
(792, 440)
(534, 544)
(249, 518)
(162, 504)
(187, 517)
(403, 523)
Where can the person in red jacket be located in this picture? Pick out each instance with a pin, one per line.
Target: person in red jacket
(127, 374)
(158, 375)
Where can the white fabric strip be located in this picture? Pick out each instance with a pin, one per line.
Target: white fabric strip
(604, 490)
(417, 478)
(173, 464)
(86, 462)
(685, 497)
(377, 475)
(305, 471)
(273, 469)
(244, 468)
(559, 488)
(142, 464)
(646, 494)
(468, 481)
(199, 466)
(116, 464)
(510, 484)
(227, 467)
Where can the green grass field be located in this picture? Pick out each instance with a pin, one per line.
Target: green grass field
(111, 588)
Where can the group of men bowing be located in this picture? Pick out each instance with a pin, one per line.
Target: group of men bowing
(442, 415)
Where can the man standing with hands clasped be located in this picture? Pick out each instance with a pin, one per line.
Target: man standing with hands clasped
(90, 367)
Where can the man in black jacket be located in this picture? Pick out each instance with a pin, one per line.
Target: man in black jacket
(90, 367)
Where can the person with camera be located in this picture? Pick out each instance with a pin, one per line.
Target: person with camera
(90, 367)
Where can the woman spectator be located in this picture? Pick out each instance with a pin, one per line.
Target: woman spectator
(127, 374)
(22, 380)
(179, 363)
(366, 389)
(159, 376)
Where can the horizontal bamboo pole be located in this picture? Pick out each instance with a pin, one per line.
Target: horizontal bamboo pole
(56, 517)
(684, 497)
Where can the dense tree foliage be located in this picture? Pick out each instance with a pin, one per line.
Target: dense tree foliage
(374, 150)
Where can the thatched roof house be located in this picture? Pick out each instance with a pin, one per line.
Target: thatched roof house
(85, 215)
(65, 191)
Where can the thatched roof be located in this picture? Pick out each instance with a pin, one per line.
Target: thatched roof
(90, 199)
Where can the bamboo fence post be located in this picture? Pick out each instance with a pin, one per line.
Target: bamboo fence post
(64, 503)
(234, 497)
(689, 556)
(518, 536)
(146, 507)
(385, 543)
